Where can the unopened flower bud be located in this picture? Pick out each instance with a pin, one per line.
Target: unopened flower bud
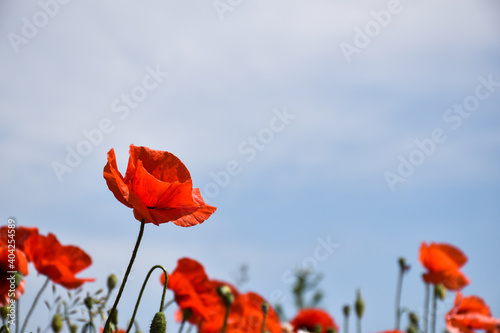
(111, 282)
(89, 302)
(73, 328)
(265, 307)
(159, 323)
(413, 319)
(113, 317)
(440, 291)
(57, 323)
(4, 312)
(412, 329)
(346, 309)
(226, 294)
(359, 305)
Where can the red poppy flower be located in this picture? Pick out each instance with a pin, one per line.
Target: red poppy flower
(307, 319)
(443, 262)
(193, 290)
(19, 264)
(471, 313)
(22, 234)
(158, 187)
(246, 316)
(58, 262)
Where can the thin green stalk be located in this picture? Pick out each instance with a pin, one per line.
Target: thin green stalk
(398, 298)
(226, 316)
(346, 324)
(426, 307)
(132, 320)
(129, 268)
(433, 314)
(263, 327)
(34, 304)
(359, 325)
(182, 325)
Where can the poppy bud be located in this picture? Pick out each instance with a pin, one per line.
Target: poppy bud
(226, 294)
(73, 328)
(359, 305)
(112, 281)
(113, 317)
(4, 312)
(413, 319)
(159, 323)
(440, 291)
(89, 302)
(265, 307)
(412, 329)
(346, 309)
(57, 323)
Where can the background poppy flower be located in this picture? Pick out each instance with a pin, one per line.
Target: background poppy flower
(443, 262)
(60, 263)
(307, 319)
(158, 187)
(20, 265)
(246, 315)
(469, 313)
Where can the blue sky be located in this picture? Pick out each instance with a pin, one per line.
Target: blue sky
(207, 85)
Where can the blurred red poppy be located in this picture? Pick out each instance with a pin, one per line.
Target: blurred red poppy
(58, 262)
(193, 291)
(158, 187)
(307, 319)
(8, 280)
(21, 236)
(196, 293)
(471, 313)
(246, 315)
(443, 262)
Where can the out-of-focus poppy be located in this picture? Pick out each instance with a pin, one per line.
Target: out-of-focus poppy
(247, 315)
(443, 262)
(308, 319)
(60, 263)
(11, 284)
(158, 186)
(471, 313)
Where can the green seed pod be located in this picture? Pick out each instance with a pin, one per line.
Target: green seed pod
(4, 311)
(359, 305)
(318, 328)
(159, 323)
(226, 294)
(57, 323)
(331, 330)
(440, 291)
(265, 307)
(112, 281)
(347, 310)
(89, 302)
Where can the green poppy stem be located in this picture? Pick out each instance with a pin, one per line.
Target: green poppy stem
(182, 325)
(263, 327)
(426, 307)
(129, 268)
(433, 314)
(346, 323)
(398, 298)
(359, 325)
(226, 316)
(35, 301)
(132, 320)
